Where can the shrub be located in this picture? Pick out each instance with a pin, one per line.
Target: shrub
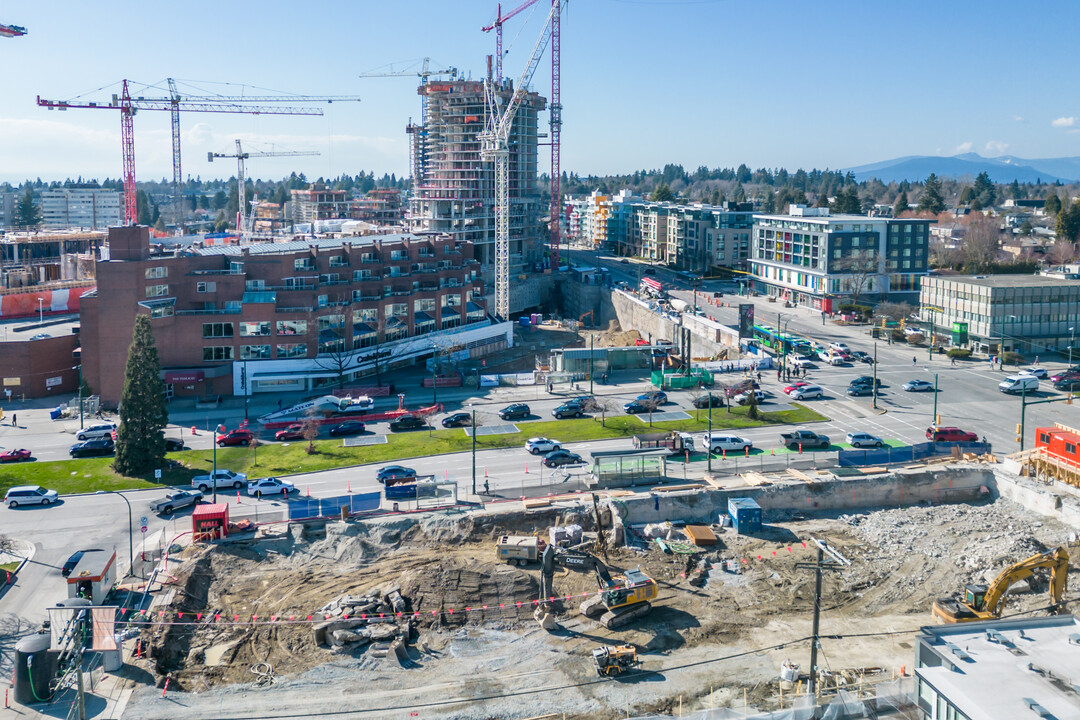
(1012, 358)
(958, 353)
(916, 339)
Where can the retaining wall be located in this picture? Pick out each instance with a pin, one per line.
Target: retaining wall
(1039, 497)
(634, 314)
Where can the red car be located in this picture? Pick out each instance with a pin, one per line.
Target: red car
(236, 437)
(950, 434)
(14, 456)
(293, 432)
(795, 386)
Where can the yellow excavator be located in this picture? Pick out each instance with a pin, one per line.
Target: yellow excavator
(982, 602)
(622, 597)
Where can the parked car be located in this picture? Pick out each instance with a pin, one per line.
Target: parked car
(174, 444)
(239, 436)
(541, 445)
(708, 400)
(807, 392)
(92, 448)
(648, 271)
(568, 409)
(558, 458)
(1036, 371)
(657, 396)
(15, 455)
(74, 559)
(795, 386)
(407, 422)
(636, 407)
(861, 439)
(517, 410)
(950, 434)
(394, 474)
(461, 419)
(220, 478)
(918, 386)
(29, 495)
(269, 486)
(744, 398)
(722, 442)
(100, 430)
(175, 500)
(353, 427)
(292, 432)
(866, 380)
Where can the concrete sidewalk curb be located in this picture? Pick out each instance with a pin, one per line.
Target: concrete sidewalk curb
(27, 557)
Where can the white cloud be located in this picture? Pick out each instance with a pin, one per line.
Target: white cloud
(996, 146)
(1019, 118)
(1064, 122)
(963, 147)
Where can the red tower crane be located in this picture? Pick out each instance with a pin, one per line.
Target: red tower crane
(555, 111)
(128, 106)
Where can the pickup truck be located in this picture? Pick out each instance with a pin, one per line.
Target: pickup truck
(175, 500)
(219, 479)
(804, 439)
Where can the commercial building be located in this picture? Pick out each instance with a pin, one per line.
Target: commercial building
(80, 207)
(992, 313)
(454, 188)
(267, 317)
(1019, 668)
(814, 258)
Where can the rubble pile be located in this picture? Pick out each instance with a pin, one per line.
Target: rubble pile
(376, 618)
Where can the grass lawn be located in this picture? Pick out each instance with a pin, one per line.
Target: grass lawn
(8, 567)
(91, 474)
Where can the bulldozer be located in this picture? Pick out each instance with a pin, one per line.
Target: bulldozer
(614, 659)
(984, 602)
(622, 597)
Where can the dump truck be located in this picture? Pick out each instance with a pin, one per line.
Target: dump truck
(675, 442)
(804, 439)
(519, 549)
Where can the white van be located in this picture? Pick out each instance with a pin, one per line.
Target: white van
(1019, 384)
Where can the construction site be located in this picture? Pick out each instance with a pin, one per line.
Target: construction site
(584, 607)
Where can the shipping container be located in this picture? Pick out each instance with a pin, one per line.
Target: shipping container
(745, 515)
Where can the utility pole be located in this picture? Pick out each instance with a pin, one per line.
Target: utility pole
(838, 562)
(591, 338)
(472, 407)
(708, 438)
(874, 403)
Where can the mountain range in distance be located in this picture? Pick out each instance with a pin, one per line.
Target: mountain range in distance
(1003, 169)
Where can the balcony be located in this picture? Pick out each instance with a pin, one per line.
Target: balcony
(234, 311)
(306, 309)
(216, 272)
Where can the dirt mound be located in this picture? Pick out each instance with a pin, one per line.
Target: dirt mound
(474, 591)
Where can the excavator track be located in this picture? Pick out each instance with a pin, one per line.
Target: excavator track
(613, 619)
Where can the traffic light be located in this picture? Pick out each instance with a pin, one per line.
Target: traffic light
(883, 320)
(901, 323)
(1068, 401)
(1019, 436)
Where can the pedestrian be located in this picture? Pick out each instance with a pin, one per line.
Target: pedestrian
(915, 361)
(759, 376)
(953, 362)
(279, 404)
(777, 374)
(14, 420)
(486, 486)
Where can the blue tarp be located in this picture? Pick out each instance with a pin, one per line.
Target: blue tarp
(306, 507)
(906, 453)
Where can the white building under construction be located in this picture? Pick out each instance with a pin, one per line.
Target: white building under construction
(454, 190)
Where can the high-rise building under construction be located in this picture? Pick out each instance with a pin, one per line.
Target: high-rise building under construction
(454, 190)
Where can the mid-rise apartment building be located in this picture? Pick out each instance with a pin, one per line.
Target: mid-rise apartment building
(318, 203)
(80, 207)
(815, 258)
(270, 317)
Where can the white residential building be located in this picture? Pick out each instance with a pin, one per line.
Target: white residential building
(90, 208)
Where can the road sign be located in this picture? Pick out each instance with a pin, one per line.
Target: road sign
(157, 474)
(142, 529)
(144, 520)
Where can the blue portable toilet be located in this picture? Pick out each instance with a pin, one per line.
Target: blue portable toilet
(745, 515)
(524, 320)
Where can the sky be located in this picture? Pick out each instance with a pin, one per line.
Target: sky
(769, 83)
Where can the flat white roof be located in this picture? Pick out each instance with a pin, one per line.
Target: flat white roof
(997, 667)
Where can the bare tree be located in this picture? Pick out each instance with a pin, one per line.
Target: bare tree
(310, 427)
(650, 406)
(1061, 252)
(893, 311)
(981, 244)
(603, 406)
(861, 270)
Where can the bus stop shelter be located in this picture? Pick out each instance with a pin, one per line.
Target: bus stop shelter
(621, 468)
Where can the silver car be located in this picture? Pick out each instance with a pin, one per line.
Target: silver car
(807, 392)
(861, 439)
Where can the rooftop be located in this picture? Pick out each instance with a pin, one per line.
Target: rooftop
(25, 328)
(1007, 280)
(997, 669)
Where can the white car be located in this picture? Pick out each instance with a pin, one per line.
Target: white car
(541, 445)
(744, 397)
(918, 386)
(269, 486)
(838, 360)
(1036, 372)
(802, 363)
(839, 347)
(861, 439)
(727, 443)
(97, 432)
(807, 392)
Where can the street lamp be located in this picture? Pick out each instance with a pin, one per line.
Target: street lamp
(1072, 341)
(874, 403)
(472, 408)
(79, 368)
(213, 477)
(131, 540)
(41, 311)
(934, 420)
(434, 374)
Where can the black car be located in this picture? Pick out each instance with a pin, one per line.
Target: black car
(92, 448)
(708, 400)
(407, 422)
(568, 409)
(1068, 383)
(517, 410)
(860, 390)
(635, 407)
(555, 458)
(865, 380)
(394, 474)
(353, 427)
(174, 444)
(72, 561)
(461, 419)
(648, 271)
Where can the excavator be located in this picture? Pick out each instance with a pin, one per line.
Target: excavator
(622, 597)
(982, 602)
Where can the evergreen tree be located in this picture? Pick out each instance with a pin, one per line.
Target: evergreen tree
(985, 192)
(931, 200)
(1068, 223)
(1053, 204)
(662, 193)
(1015, 191)
(28, 214)
(901, 205)
(140, 442)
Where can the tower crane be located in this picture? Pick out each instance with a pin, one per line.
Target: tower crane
(554, 110)
(11, 30)
(128, 106)
(495, 146)
(241, 156)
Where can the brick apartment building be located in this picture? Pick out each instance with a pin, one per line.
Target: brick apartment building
(274, 317)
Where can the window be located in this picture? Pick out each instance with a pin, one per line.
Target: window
(338, 261)
(206, 287)
(160, 311)
(292, 350)
(157, 290)
(397, 309)
(292, 327)
(368, 315)
(451, 300)
(303, 264)
(254, 352)
(330, 278)
(157, 272)
(217, 353)
(1044, 438)
(255, 285)
(424, 305)
(326, 322)
(1070, 448)
(254, 329)
(213, 330)
(321, 301)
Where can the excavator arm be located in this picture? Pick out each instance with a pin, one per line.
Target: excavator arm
(1056, 560)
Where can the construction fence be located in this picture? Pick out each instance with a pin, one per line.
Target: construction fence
(907, 453)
